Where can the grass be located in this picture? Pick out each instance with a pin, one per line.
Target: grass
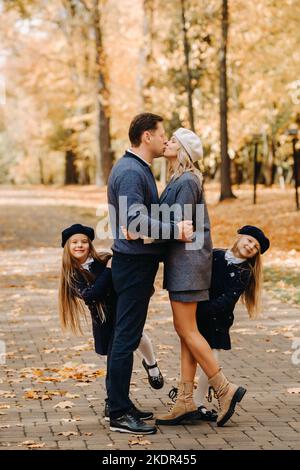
(284, 283)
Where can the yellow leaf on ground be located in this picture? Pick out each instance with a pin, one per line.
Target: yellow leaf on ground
(7, 394)
(32, 444)
(70, 395)
(140, 442)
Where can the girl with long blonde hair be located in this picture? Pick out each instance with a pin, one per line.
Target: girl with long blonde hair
(86, 281)
(237, 273)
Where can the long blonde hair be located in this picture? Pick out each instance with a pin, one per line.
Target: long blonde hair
(72, 309)
(252, 296)
(185, 164)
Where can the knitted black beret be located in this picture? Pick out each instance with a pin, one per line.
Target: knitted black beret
(256, 233)
(73, 230)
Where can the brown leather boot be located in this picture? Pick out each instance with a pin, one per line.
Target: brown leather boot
(227, 394)
(184, 407)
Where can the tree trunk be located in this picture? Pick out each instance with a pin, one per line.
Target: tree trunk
(42, 179)
(226, 191)
(189, 87)
(70, 169)
(104, 157)
(145, 73)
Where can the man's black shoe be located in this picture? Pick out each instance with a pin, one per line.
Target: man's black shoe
(134, 411)
(141, 414)
(131, 424)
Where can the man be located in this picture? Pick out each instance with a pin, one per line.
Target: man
(135, 263)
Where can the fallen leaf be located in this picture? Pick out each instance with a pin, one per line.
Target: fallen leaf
(7, 394)
(71, 420)
(82, 347)
(46, 397)
(64, 405)
(70, 395)
(140, 442)
(31, 395)
(33, 444)
(293, 390)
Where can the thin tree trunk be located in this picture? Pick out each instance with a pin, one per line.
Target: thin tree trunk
(186, 46)
(145, 78)
(42, 179)
(269, 155)
(103, 154)
(226, 191)
(70, 169)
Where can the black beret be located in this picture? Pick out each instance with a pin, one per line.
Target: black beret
(256, 233)
(73, 230)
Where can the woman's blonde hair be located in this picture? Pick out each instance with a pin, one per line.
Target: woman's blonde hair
(71, 308)
(185, 164)
(252, 296)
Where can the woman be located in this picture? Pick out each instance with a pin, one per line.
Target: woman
(187, 274)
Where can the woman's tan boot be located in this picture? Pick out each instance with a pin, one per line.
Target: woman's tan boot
(227, 394)
(184, 407)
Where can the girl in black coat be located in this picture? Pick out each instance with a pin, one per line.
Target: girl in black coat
(86, 281)
(236, 272)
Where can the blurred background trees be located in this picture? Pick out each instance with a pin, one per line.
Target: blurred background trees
(76, 71)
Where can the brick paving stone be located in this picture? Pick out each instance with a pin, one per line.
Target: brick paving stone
(267, 418)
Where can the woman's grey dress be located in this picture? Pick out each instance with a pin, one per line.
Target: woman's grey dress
(188, 266)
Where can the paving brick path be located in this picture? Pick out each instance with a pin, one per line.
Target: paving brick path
(45, 368)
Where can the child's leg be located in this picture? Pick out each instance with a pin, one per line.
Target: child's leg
(202, 386)
(146, 350)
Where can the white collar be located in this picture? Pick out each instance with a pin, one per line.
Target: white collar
(86, 265)
(129, 150)
(231, 259)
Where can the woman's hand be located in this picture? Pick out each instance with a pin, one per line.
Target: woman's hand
(185, 231)
(108, 264)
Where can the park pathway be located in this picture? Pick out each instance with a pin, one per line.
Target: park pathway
(52, 385)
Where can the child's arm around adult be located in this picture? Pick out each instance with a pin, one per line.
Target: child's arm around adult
(97, 291)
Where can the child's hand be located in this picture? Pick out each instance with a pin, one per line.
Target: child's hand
(128, 235)
(108, 264)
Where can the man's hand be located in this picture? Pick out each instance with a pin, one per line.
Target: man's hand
(129, 235)
(132, 236)
(185, 230)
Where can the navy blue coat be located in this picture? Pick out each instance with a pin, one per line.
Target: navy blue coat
(215, 316)
(100, 291)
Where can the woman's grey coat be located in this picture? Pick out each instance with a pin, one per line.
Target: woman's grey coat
(188, 269)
